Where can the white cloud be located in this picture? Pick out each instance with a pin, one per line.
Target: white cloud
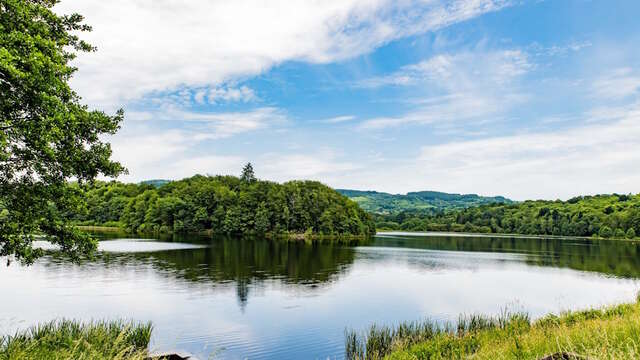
(464, 70)
(147, 46)
(474, 86)
(588, 159)
(322, 165)
(149, 150)
(173, 155)
(617, 84)
(444, 109)
(211, 125)
(338, 119)
(229, 94)
(167, 155)
(559, 50)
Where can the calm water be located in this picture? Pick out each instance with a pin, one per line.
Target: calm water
(281, 300)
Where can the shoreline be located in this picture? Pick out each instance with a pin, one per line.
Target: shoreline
(496, 235)
(282, 236)
(382, 233)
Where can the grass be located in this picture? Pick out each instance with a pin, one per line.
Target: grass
(606, 333)
(66, 339)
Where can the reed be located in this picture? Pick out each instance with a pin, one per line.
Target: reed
(68, 339)
(606, 333)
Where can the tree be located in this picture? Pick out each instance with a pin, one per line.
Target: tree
(47, 136)
(262, 223)
(631, 233)
(247, 174)
(606, 232)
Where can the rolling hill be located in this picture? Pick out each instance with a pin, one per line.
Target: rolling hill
(421, 201)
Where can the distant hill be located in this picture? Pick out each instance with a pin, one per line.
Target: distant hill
(421, 201)
(156, 182)
(604, 216)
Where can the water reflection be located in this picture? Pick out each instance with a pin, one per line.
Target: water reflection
(255, 298)
(615, 258)
(250, 262)
(247, 263)
(222, 261)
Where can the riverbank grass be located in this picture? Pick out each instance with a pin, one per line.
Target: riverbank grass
(607, 333)
(66, 339)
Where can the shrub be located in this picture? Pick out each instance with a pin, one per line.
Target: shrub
(606, 232)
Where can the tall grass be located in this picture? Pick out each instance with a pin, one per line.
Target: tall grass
(607, 333)
(380, 341)
(66, 339)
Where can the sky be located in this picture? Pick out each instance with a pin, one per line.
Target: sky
(525, 99)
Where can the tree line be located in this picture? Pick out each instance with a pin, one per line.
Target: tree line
(223, 204)
(606, 216)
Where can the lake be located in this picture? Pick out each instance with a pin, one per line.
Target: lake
(261, 299)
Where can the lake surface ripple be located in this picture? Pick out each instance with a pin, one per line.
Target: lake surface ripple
(261, 299)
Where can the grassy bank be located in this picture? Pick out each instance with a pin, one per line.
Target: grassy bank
(64, 339)
(607, 333)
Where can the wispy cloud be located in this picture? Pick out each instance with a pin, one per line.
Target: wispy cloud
(231, 39)
(459, 71)
(578, 160)
(322, 164)
(338, 119)
(559, 50)
(213, 125)
(230, 94)
(152, 153)
(457, 107)
(617, 84)
(473, 86)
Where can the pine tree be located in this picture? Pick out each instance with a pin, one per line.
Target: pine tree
(248, 175)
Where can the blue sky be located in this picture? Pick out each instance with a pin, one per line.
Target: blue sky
(526, 99)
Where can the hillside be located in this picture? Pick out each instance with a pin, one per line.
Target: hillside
(600, 215)
(422, 201)
(155, 182)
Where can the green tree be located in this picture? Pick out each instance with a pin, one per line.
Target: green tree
(326, 222)
(47, 136)
(247, 174)
(262, 223)
(631, 233)
(619, 233)
(606, 232)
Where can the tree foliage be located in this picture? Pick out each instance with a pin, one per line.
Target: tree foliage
(247, 174)
(226, 205)
(47, 136)
(422, 201)
(601, 215)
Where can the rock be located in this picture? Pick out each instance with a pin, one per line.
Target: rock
(171, 356)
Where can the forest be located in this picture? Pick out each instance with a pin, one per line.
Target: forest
(221, 204)
(606, 216)
(423, 201)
